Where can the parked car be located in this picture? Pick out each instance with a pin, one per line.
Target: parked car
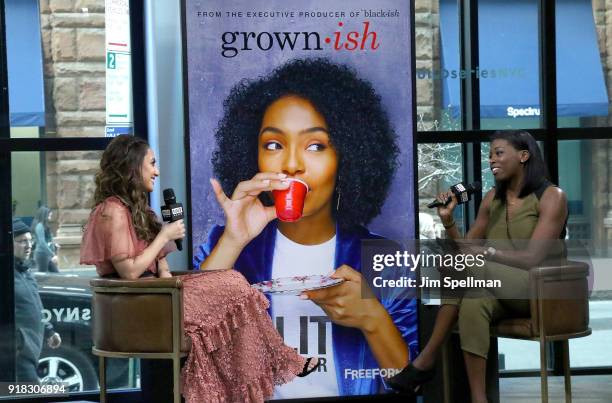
(67, 305)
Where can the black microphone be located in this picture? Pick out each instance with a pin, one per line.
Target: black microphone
(462, 192)
(172, 212)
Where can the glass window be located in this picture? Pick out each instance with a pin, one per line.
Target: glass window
(437, 61)
(69, 68)
(486, 177)
(440, 165)
(518, 354)
(509, 74)
(584, 175)
(583, 45)
(52, 198)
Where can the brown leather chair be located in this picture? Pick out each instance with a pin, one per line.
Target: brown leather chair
(553, 318)
(139, 319)
(559, 311)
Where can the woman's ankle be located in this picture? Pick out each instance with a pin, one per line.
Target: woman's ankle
(479, 397)
(423, 362)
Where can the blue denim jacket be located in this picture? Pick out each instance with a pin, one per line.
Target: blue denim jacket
(351, 351)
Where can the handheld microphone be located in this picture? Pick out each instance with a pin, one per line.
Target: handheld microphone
(462, 192)
(172, 212)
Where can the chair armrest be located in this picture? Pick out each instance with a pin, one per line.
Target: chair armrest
(561, 269)
(137, 315)
(148, 282)
(561, 280)
(559, 294)
(176, 273)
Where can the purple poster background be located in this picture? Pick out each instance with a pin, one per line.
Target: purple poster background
(211, 76)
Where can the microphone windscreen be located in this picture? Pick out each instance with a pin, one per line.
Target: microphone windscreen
(169, 196)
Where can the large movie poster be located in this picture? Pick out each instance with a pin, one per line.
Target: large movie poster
(347, 63)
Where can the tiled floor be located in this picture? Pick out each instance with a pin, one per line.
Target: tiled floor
(585, 389)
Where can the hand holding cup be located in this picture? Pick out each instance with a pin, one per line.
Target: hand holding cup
(245, 215)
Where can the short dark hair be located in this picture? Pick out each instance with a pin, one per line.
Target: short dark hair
(535, 168)
(359, 130)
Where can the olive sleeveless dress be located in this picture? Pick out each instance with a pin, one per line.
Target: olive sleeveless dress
(513, 232)
(479, 308)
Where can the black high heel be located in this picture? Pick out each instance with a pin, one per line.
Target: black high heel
(411, 379)
(307, 371)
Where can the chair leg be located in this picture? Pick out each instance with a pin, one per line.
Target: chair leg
(566, 372)
(102, 367)
(176, 379)
(446, 373)
(543, 371)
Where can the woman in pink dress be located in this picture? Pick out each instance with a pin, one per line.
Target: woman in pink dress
(236, 355)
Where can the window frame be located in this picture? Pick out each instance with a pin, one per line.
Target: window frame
(9, 145)
(471, 136)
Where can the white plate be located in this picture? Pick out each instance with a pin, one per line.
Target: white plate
(296, 285)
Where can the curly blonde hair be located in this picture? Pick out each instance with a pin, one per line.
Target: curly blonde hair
(120, 176)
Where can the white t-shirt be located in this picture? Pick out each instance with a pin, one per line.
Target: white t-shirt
(303, 325)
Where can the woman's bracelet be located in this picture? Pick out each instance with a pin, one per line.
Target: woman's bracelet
(489, 253)
(449, 226)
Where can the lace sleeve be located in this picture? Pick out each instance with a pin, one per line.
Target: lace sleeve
(109, 234)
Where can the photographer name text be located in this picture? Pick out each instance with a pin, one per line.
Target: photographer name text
(426, 282)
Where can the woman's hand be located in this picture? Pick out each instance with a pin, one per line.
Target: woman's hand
(164, 274)
(173, 231)
(345, 305)
(446, 212)
(163, 269)
(352, 304)
(245, 215)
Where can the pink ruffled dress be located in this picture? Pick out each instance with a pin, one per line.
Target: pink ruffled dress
(236, 353)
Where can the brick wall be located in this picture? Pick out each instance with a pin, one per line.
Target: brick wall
(427, 49)
(74, 67)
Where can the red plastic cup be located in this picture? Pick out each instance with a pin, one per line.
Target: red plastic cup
(289, 202)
